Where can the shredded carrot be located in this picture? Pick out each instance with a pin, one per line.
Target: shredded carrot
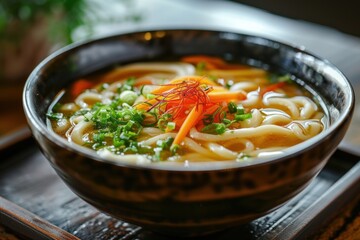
(142, 82)
(174, 82)
(271, 87)
(179, 121)
(189, 122)
(146, 105)
(210, 62)
(189, 100)
(226, 96)
(80, 86)
(219, 89)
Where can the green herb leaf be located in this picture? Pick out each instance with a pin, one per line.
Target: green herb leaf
(55, 116)
(163, 121)
(232, 107)
(214, 128)
(200, 67)
(275, 78)
(170, 126)
(242, 117)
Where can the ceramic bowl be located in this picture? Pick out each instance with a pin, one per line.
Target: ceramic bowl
(182, 200)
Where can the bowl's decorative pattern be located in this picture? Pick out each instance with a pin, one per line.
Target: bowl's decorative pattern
(187, 201)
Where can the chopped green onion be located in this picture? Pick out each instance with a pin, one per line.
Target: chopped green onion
(150, 96)
(200, 66)
(174, 149)
(209, 118)
(128, 97)
(213, 78)
(165, 144)
(232, 107)
(170, 126)
(242, 156)
(240, 109)
(214, 128)
(229, 84)
(163, 121)
(128, 85)
(103, 87)
(242, 117)
(147, 89)
(55, 116)
(274, 78)
(150, 119)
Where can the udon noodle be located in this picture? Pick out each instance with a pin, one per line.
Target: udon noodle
(200, 108)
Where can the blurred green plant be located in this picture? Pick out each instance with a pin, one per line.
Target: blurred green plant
(63, 17)
(29, 29)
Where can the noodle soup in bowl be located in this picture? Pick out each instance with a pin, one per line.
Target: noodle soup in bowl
(187, 132)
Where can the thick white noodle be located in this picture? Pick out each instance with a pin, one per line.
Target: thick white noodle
(78, 133)
(198, 157)
(196, 147)
(276, 119)
(307, 106)
(62, 125)
(245, 86)
(128, 158)
(221, 151)
(253, 100)
(152, 141)
(265, 152)
(113, 87)
(69, 108)
(152, 131)
(76, 119)
(305, 129)
(243, 133)
(188, 143)
(275, 102)
(178, 69)
(88, 98)
(248, 145)
(255, 120)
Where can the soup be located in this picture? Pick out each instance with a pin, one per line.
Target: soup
(199, 108)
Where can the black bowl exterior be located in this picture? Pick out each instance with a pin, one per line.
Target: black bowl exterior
(185, 201)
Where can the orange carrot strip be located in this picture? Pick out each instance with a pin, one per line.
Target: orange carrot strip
(219, 89)
(170, 85)
(271, 87)
(141, 82)
(226, 96)
(189, 122)
(211, 62)
(80, 86)
(145, 105)
(179, 122)
(211, 109)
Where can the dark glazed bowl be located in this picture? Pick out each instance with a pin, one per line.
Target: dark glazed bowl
(201, 198)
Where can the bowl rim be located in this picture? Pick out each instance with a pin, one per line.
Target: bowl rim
(287, 153)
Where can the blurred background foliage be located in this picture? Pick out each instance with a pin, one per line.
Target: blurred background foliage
(31, 29)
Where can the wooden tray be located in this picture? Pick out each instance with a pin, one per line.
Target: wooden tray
(40, 206)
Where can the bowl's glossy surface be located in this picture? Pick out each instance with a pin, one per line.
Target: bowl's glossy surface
(203, 198)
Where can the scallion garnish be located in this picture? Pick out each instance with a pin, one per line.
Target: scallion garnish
(214, 128)
(55, 116)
